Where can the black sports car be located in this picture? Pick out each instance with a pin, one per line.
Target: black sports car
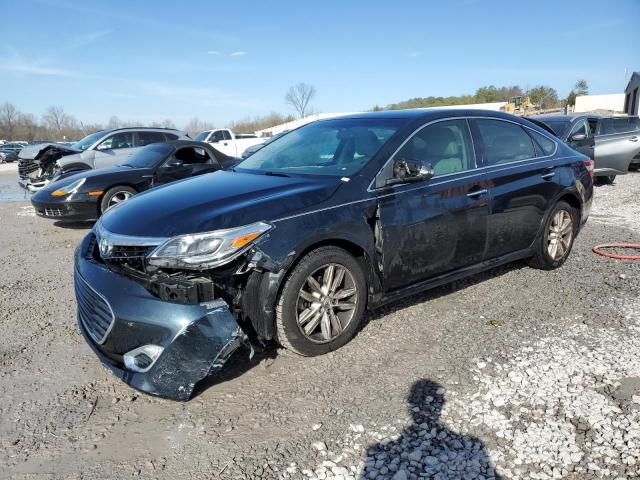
(86, 195)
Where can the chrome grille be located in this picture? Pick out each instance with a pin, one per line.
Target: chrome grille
(26, 168)
(94, 312)
(130, 251)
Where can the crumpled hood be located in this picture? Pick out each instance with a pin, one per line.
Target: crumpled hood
(36, 152)
(215, 201)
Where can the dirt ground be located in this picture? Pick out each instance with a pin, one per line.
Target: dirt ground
(485, 348)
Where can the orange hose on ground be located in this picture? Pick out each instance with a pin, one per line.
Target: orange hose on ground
(635, 246)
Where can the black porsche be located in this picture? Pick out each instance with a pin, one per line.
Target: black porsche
(86, 195)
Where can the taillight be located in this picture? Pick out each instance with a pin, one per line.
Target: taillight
(591, 165)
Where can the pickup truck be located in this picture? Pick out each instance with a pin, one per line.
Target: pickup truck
(612, 142)
(227, 142)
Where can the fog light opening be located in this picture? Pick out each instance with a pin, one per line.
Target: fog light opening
(142, 358)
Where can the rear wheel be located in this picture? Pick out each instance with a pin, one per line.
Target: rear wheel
(554, 244)
(116, 195)
(322, 302)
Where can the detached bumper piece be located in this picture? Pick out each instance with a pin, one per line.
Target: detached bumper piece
(158, 347)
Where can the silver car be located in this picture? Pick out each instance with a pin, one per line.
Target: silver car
(612, 142)
(41, 163)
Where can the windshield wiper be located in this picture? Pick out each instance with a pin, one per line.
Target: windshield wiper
(277, 174)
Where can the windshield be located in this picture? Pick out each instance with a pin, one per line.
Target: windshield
(89, 140)
(148, 156)
(337, 147)
(557, 126)
(201, 136)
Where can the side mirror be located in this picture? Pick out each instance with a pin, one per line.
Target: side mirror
(408, 170)
(577, 137)
(102, 147)
(173, 163)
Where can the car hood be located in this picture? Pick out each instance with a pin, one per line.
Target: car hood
(36, 152)
(215, 201)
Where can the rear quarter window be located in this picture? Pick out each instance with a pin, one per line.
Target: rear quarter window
(545, 144)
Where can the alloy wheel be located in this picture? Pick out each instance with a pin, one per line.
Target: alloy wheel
(560, 235)
(326, 303)
(117, 198)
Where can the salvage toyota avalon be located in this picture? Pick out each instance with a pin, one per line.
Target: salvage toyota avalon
(332, 219)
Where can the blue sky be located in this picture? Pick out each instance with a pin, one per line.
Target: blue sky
(224, 61)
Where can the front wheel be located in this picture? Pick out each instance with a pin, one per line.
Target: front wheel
(322, 302)
(116, 195)
(556, 240)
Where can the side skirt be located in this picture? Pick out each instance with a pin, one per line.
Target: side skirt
(380, 299)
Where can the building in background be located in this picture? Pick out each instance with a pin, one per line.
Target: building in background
(632, 95)
(613, 103)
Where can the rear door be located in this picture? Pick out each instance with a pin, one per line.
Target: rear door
(522, 178)
(617, 142)
(433, 227)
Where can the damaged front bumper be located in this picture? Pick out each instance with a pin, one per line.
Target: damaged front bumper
(158, 347)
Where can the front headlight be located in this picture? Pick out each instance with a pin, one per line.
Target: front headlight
(69, 189)
(206, 250)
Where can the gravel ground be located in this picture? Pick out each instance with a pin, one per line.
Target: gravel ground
(514, 373)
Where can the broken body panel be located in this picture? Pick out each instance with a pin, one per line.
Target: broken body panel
(37, 164)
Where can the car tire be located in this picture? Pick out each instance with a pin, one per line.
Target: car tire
(116, 195)
(605, 180)
(556, 232)
(315, 328)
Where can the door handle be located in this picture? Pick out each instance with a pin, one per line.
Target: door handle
(477, 193)
(634, 139)
(548, 176)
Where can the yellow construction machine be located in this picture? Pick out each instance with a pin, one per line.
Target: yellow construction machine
(518, 105)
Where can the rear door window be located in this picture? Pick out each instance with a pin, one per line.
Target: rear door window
(502, 142)
(618, 125)
(226, 135)
(147, 138)
(170, 136)
(445, 145)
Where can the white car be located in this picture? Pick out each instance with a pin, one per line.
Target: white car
(227, 142)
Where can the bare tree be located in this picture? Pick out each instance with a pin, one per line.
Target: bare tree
(299, 97)
(114, 122)
(9, 116)
(58, 120)
(195, 126)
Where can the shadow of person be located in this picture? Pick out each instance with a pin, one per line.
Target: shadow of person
(426, 448)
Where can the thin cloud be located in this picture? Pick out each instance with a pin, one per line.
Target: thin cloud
(86, 39)
(213, 52)
(199, 95)
(27, 68)
(414, 54)
(238, 54)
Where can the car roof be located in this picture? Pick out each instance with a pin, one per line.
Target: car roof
(109, 130)
(428, 113)
(562, 118)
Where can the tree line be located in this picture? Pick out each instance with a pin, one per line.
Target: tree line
(542, 96)
(57, 125)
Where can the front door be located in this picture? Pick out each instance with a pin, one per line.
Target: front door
(430, 228)
(113, 149)
(583, 145)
